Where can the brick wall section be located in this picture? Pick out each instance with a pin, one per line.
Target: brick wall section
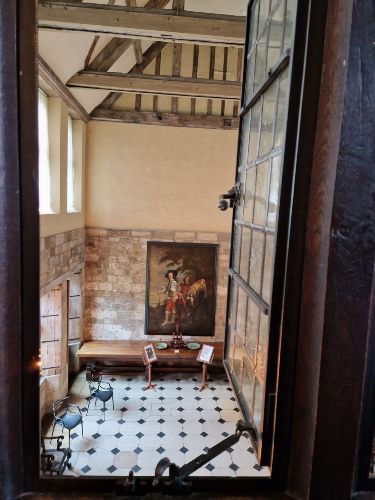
(60, 254)
(115, 281)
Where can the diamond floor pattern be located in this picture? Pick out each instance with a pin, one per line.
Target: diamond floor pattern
(135, 437)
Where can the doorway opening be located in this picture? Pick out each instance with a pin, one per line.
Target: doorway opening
(142, 164)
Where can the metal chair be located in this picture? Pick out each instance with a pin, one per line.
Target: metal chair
(102, 391)
(65, 416)
(54, 461)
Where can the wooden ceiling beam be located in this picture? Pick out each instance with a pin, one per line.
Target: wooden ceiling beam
(116, 47)
(165, 119)
(111, 53)
(50, 77)
(151, 53)
(157, 85)
(127, 22)
(137, 46)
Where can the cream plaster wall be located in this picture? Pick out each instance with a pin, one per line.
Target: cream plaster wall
(62, 221)
(161, 178)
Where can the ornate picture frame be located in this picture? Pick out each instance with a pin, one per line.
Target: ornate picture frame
(181, 288)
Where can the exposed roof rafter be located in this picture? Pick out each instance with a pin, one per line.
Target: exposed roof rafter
(116, 47)
(165, 119)
(127, 22)
(158, 85)
(151, 53)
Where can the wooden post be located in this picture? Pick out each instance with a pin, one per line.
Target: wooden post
(149, 385)
(204, 376)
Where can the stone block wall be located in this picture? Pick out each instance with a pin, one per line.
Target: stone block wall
(60, 254)
(115, 281)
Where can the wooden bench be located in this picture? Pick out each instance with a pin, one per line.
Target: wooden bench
(114, 356)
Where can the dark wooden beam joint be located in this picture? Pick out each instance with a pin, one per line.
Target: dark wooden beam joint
(165, 119)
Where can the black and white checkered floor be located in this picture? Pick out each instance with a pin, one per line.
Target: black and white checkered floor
(175, 420)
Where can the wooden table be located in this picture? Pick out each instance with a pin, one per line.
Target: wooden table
(113, 356)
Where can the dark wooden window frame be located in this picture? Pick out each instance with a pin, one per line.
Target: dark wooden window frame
(19, 258)
(22, 151)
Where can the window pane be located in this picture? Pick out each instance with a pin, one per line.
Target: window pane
(289, 23)
(273, 200)
(262, 347)
(268, 265)
(254, 24)
(273, 4)
(280, 117)
(249, 195)
(240, 204)
(231, 317)
(268, 120)
(251, 51)
(245, 253)
(238, 360)
(250, 75)
(248, 385)
(245, 139)
(254, 132)
(260, 59)
(236, 247)
(70, 168)
(261, 192)
(252, 330)
(258, 404)
(256, 260)
(275, 37)
(231, 330)
(241, 313)
(263, 15)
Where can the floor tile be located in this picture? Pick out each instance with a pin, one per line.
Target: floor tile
(192, 427)
(148, 459)
(150, 443)
(223, 460)
(82, 444)
(223, 472)
(101, 458)
(226, 404)
(127, 443)
(125, 460)
(230, 415)
(109, 428)
(89, 428)
(105, 442)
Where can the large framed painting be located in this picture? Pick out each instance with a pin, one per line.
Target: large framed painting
(181, 288)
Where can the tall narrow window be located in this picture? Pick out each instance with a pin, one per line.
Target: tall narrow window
(75, 152)
(44, 163)
(70, 168)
